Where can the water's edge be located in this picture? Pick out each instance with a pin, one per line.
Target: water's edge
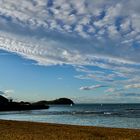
(102, 115)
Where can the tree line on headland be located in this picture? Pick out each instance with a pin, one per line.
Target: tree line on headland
(10, 105)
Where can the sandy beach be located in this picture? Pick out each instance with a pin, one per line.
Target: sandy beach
(19, 130)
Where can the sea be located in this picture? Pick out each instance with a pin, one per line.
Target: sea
(102, 115)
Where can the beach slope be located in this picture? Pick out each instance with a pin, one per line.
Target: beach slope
(18, 130)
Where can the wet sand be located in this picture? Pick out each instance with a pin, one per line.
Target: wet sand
(19, 130)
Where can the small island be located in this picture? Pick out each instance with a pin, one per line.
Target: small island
(60, 101)
(10, 105)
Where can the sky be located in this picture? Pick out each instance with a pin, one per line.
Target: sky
(85, 50)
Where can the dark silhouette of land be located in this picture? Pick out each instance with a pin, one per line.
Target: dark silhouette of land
(60, 101)
(9, 105)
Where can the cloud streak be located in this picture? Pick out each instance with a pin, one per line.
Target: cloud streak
(132, 86)
(93, 87)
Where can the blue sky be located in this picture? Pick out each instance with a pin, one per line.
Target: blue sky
(86, 50)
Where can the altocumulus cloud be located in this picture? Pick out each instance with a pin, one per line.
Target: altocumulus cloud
(101, 33)
(100, 24)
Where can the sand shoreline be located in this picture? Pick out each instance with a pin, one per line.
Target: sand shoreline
(22, 130)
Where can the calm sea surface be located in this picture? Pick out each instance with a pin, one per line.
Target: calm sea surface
(107, 115)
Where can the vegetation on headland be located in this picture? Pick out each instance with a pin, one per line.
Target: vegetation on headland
(9, 105)
(60, 101)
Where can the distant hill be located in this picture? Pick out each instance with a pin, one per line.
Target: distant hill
(60, 101)
(9, 105)
(3, 100)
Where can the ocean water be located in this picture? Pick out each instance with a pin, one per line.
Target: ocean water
(106, 115)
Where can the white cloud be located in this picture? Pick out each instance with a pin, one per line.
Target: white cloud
(59, 78)
(114, 90)
(92, 87)
(110, 90)
(133, 86)
(9, 91)
(34, 15)
(100, 34)
(2, 93)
